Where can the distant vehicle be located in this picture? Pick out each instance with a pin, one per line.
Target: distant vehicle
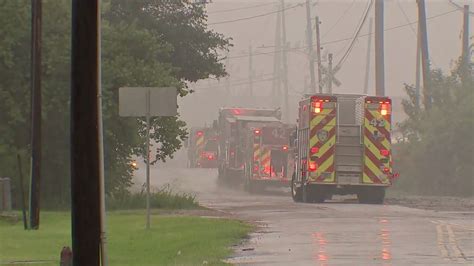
(343, 145)
(202, 148)
(208, 157)
(232, 129)
(268, 160)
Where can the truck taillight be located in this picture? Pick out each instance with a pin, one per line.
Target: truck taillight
(285, 148)
(317, 106)
(384, 108)
(256, 132)
(312, 166)
(314, 150)
(386, 170)
(385, 153)
(199, 133)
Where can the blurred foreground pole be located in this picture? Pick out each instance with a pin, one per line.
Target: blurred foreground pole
(286, 114)
(379, 49)
(85, 159)
(425, 57)
(465, 45)
(309, 43)
(35, 113)
(367, 59)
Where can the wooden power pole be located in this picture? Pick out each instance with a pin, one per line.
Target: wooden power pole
(276, 84)
(250, 72)
(466, 72)
(85, 159)
(367, 61)
(309, 41)
(425, 58)
(318, 55)
(285, 63)
(36, 6)
(379, 49)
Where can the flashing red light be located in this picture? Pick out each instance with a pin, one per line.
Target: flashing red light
(317, 106)
(312, 166)
(255, 167)
(285, 148)
(257, 132)
(314, 150)
(386, 170)
(200, 133)
(385, 153)
(236, 111)
(210, 157)
(384, 108)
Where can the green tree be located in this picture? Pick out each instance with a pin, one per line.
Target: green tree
(436, 154)
(145, 43)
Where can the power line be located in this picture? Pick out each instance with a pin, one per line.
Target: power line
(356, 35)
(241, 8)
(339, 19)
(343, 39)
(235, 84)
(406, 17)
(460, 8)
(256, 16)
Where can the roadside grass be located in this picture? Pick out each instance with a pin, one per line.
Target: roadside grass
(172, 240)
(162, 198)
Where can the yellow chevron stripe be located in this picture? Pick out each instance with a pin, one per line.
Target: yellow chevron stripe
(200, 141)
(266, 157)
(385, 142)
(366, 179)
(326, 146)
(322, 168)
(256, 151)
(318, 118)
(314, 139)
(369, 145)
(376, 170)
(378, 115)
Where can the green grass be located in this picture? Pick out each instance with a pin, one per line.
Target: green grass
(163, 198)
(173, 240)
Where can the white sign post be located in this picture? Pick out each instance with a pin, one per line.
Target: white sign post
(147, 102)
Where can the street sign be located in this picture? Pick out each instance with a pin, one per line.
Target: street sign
(133, 101)
(148, 102)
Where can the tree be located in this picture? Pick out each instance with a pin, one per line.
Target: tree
(145, 43)
(436, 155)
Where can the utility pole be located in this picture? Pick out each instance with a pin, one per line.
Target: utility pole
(85, 147)
(418, 66)
(309, 37)
(330, 73)
(36, 18)
(425, 58)
(276, 84)
(367, 61)
(379, 49)
(318, 55)
(285, 63)
(227, 82)
(250, 72)
(466, 71)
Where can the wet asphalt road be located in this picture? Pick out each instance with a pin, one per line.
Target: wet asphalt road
(340, 232)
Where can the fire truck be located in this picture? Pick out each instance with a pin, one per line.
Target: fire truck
(343, 146)
(232, 127)
(202, 148)
(267, 158)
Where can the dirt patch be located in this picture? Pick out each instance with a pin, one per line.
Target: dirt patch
(453, 204)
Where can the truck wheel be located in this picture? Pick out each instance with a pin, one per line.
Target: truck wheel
(296, 192)
(318, 194)
(371, 195)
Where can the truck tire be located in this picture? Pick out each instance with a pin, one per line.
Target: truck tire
(296, 192)
(371, 195)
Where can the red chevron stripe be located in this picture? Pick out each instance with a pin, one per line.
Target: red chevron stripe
(377, 143)
(371, 175)
(330, 170)
(382, 130)
(319, 126)
(331, 133)
(372, 157)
